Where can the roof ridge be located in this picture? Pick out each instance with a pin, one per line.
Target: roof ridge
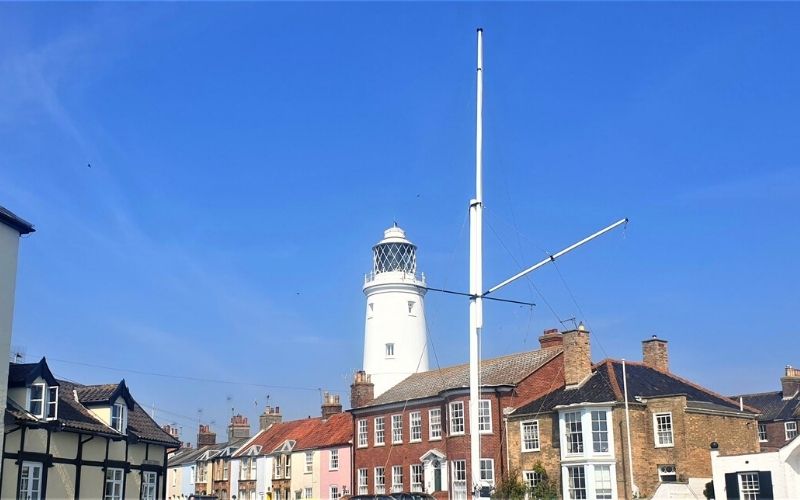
(756, 394)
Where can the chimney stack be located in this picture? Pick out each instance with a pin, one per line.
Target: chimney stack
(172, 431)
(362, 390)
(270, 417)
(655, 354)
(330, 405)
(790, 382)
(551, 338)
(238, 428)
(577, 356)
(205, 437)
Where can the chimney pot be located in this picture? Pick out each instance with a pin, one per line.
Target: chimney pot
(362, 390)
(551, 338)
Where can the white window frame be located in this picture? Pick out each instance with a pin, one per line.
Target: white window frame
(119, 426)
(531, 478)
(485, 416)
(415, 427)
(790, 427)
(52, 401)
(568, 486)
(535, 438)
(334, 492)
(485, 478)
(363, 433)
(397, 428)
(456, 421)
(658, 434)
(33, 489)
(762, 437)
(380, 431)
(108, 493)
(42, 400)
(746, 482)
(459, 477)
(149, 485)
(380, 486)
(333, 460)
(277, 472)
(600, 432)
(416, 471)
(596, 479)
(363, 482)
(434, 424)
(663, 473)
(287, 467)
(568, 431)
(244, 469)
(309, 462)
(397, 478)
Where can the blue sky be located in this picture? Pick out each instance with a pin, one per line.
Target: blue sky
(245, 158)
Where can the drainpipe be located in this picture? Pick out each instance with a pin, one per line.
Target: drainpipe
(634, 488)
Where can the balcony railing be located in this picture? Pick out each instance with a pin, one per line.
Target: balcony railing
(404, 276)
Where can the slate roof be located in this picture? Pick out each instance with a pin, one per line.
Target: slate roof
(773, 406)
(21, 374)
(605, 385)
(15, 222)
(309, 433)
(503, 370)
(72, 415)
(96, 393)
(186, 456)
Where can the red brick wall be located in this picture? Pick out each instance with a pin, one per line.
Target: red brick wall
(776, 436)
(540, 382)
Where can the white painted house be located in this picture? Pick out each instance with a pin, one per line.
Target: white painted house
(774, 474)
(11, 228)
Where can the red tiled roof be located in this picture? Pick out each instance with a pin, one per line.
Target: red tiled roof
(308, 433)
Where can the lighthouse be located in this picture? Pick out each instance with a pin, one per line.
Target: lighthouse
(395, 332)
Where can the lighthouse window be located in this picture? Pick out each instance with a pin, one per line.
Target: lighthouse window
(390, 350)
(395, 257)
(411, 307)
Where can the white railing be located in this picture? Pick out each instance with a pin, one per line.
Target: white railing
(404, 276)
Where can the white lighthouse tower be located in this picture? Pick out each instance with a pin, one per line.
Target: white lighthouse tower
(395, 332)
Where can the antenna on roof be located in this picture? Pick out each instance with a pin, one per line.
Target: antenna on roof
(574, 323)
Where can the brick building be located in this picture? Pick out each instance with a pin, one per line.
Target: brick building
(780, 411)
(578, 433)
(415, 436)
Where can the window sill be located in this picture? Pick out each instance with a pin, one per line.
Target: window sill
(456, 434)
(363, 446)
(381, 445)
(665, 446)
(415, 440)
(397, 442)
(531, 450)
(435, 439)
(485, 432)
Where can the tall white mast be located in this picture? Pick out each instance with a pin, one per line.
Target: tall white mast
(476, 283)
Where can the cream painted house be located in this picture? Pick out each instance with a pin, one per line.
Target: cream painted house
(11, 228)
(67, 440)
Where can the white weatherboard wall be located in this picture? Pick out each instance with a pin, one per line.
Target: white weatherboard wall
(395, 313)
(9, 249)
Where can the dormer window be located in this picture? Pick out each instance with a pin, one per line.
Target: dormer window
(118, 417)
(43, 401)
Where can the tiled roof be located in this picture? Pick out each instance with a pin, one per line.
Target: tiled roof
(337, 430)
(309, 433)
(186, 456)
(21, 374)
(772, 405)
(606, 382)
(503, 370)
(13, 221)
(73, 415)
(96, 393)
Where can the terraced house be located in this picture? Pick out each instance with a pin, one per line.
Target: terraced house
(67, 440)
(307, 458)
(415, 436)
(586, 442)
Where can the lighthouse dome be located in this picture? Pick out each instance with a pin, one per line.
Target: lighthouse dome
(394, 253)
